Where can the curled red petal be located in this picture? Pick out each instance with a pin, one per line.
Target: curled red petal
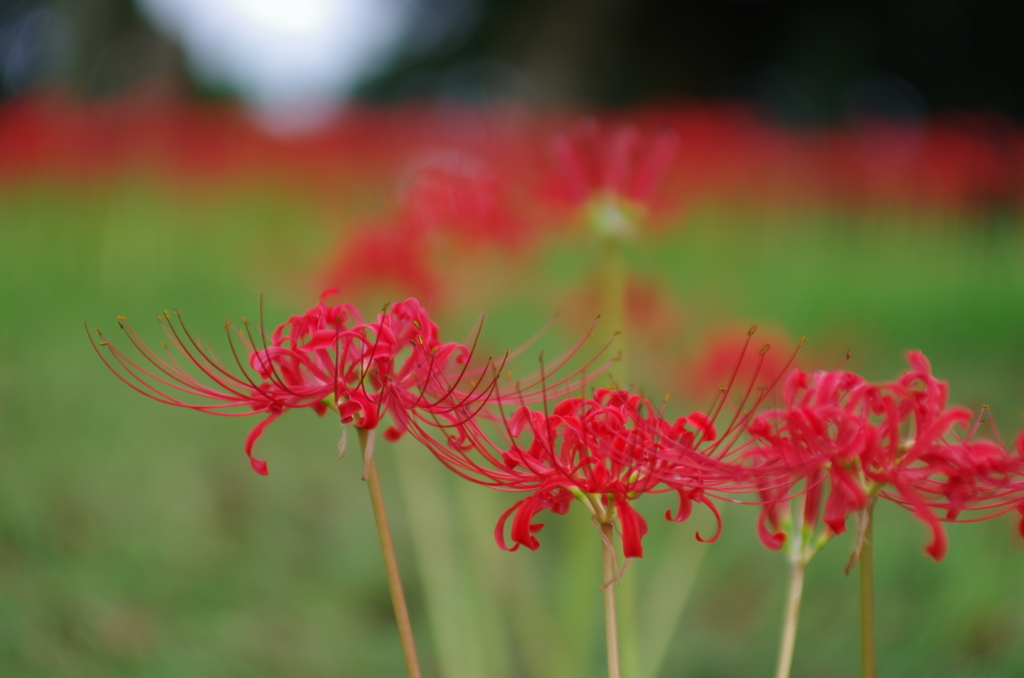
(634, 527)
(392, 433)
(499, 529)
(940, 542)
(684, 511)
(522, 526)
(258, 465)
(772, 540)
(718, 517)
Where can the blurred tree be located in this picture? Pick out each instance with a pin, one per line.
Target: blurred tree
(804, 60)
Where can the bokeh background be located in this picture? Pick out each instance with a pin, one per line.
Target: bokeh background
(849, 171)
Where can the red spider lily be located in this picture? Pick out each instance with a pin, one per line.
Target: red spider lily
(384, 253)
(323, 358)
(933, 470)
(449, 203)
(463, 195)
(623, 163)
(614, 175)
(604, 451)
(600, 451)
(822, 432)
(894, 440)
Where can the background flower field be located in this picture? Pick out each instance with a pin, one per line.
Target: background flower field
(135, 541)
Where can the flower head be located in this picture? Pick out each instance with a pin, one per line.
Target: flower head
(599, 450)
(325, 358)
(612, 175)
(840, 435)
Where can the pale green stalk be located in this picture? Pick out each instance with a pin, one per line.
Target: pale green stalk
(611, 625)
(612, 274)
(387, 548)
(803, 546)
(792, 615)
(867, 597)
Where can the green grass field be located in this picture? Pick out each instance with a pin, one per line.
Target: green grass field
(136, 541)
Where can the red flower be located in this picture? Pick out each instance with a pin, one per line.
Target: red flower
(613, 175)
(601, 451)
(893, 440)
(384, 253)
(463, 195)
(324, 358)
(622, 163)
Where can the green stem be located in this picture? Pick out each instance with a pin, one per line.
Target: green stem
(626, 612)
(867, 597)
(611, 626)
(612, 272)
(796, 587)
(387, 547)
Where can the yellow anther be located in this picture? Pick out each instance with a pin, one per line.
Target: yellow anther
(103, 343)
(227, 325)
(801, 342)
(121, 317)
(166, 314)
(245, 320)
(764, 349)
(416, 324)
(98, 331)
(849, 353)
(160, 318)
(750, 332)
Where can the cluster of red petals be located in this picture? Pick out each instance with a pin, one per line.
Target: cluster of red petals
(459, 198)
(605, 450)
(325, 358)
(461, 194)
(448, 200)
(851, 440)
(384, 254)
(623, 162)
(955, 162)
